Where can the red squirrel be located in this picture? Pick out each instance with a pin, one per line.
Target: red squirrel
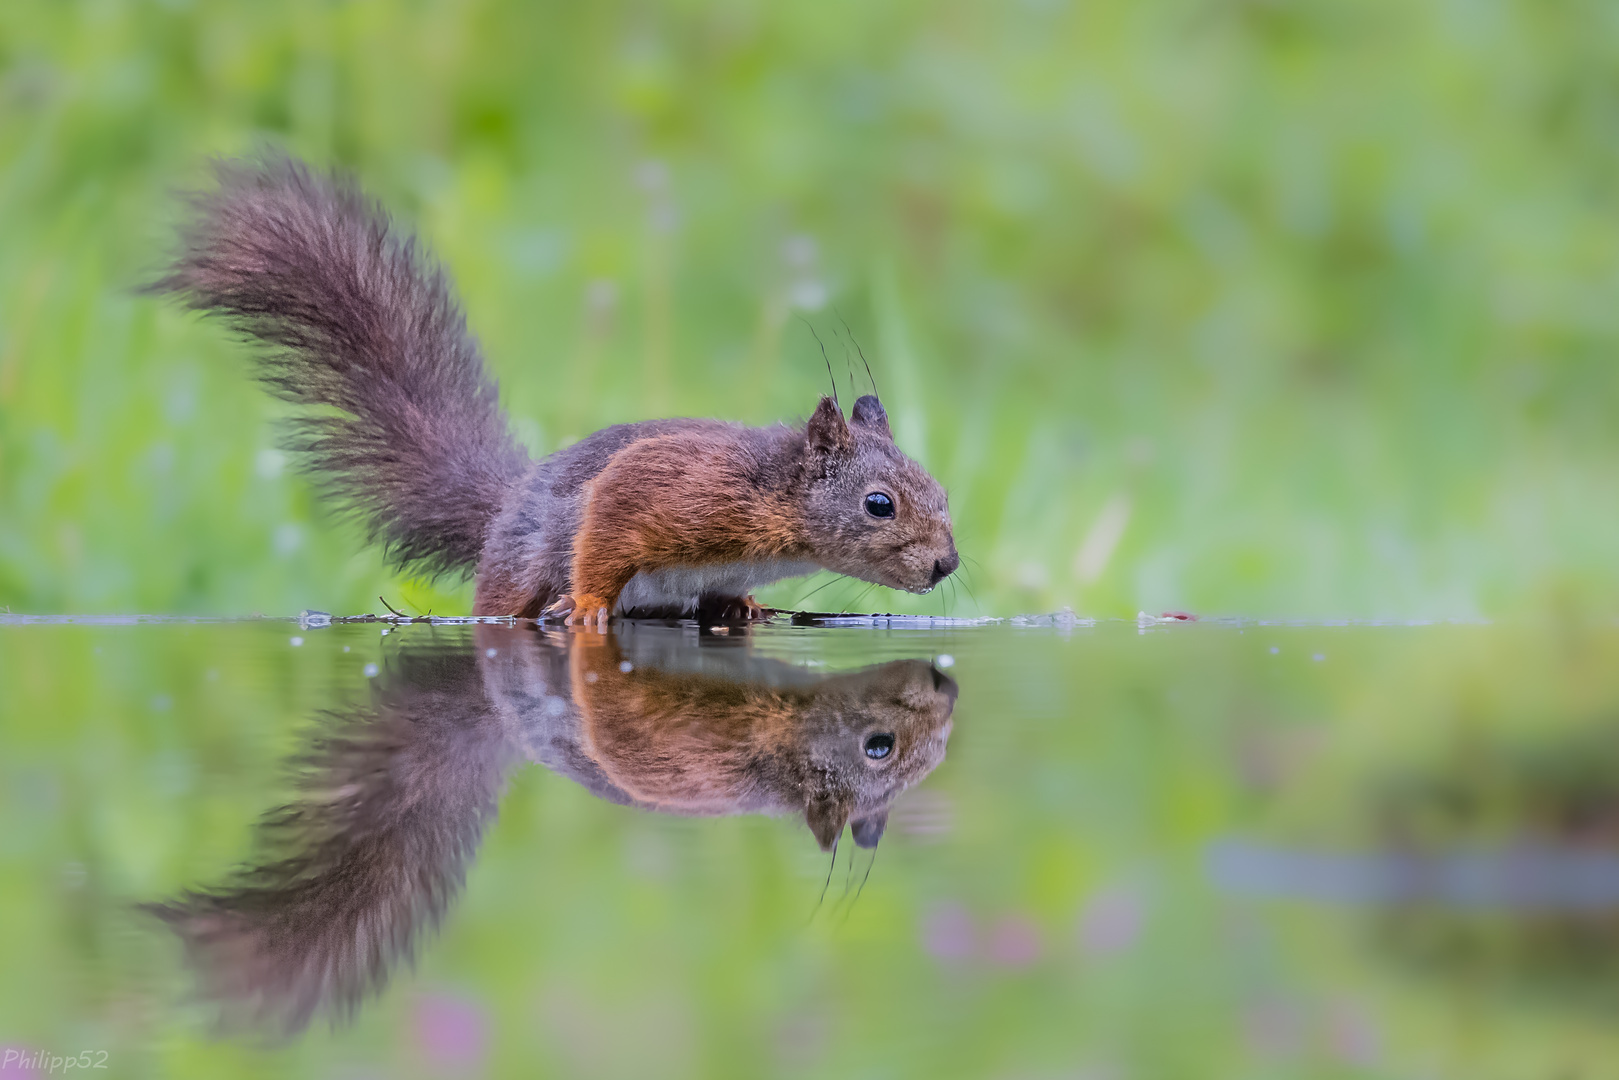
(403, 429)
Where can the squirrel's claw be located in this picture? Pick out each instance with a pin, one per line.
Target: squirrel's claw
(585, 610)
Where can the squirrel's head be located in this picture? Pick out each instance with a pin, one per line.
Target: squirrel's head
(868, 736)
(870, 511)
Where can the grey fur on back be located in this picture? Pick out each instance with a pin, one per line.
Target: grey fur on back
(357, 323)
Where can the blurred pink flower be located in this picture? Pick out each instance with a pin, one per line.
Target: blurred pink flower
(1111, 920)
(20, 1061)
(1352, 1035)
(1014, 942)
(452, 1033)
(948, 933)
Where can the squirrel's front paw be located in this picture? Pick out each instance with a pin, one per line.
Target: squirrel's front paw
(583, 610)
(586, 610)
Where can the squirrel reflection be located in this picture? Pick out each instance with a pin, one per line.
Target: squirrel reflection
(393, 796)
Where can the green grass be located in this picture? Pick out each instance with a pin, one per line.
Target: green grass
(1318, 296)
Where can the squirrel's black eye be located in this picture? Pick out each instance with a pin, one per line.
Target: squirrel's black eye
(879, 505)
(879, 746)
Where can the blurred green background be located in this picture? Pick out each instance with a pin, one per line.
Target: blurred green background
(1254, 306)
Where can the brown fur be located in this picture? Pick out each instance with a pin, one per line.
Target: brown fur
(701, 744)
(692, 519)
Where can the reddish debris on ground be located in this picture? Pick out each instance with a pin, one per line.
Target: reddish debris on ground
(1179, 616)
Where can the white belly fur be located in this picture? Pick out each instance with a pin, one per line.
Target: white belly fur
(677, 589)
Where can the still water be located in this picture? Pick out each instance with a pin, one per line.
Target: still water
(1030, 849)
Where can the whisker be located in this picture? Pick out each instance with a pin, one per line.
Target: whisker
(867, 877)
(967, 583)
(830, 581)
(848, 881)
(858, 349)
(967, 578)
(857, 599)
(853, 389)
(828, 360)
(828, 881)
(848, 909)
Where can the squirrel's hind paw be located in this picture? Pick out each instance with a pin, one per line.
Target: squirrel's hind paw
(741, 609)
(562, 606)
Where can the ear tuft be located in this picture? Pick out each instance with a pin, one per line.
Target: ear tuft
(828, 432)
(827, 814)
(869, 413)
(869, 829)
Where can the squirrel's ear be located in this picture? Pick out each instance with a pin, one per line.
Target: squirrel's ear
(868, 412)
(869, 829)
(827, 431)
(827, 815)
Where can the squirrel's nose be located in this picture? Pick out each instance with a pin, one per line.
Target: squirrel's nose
(943, 568)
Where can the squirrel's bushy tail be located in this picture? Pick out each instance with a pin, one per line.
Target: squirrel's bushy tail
(351, 876)
(356, 321)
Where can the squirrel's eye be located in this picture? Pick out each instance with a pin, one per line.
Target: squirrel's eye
(879, 505)
(879, 747)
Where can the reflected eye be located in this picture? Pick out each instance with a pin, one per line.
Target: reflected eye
(879, 747)
(879, 505)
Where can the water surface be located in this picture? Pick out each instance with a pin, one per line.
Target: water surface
(1039, 848)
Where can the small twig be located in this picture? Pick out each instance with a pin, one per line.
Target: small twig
(390, 607)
